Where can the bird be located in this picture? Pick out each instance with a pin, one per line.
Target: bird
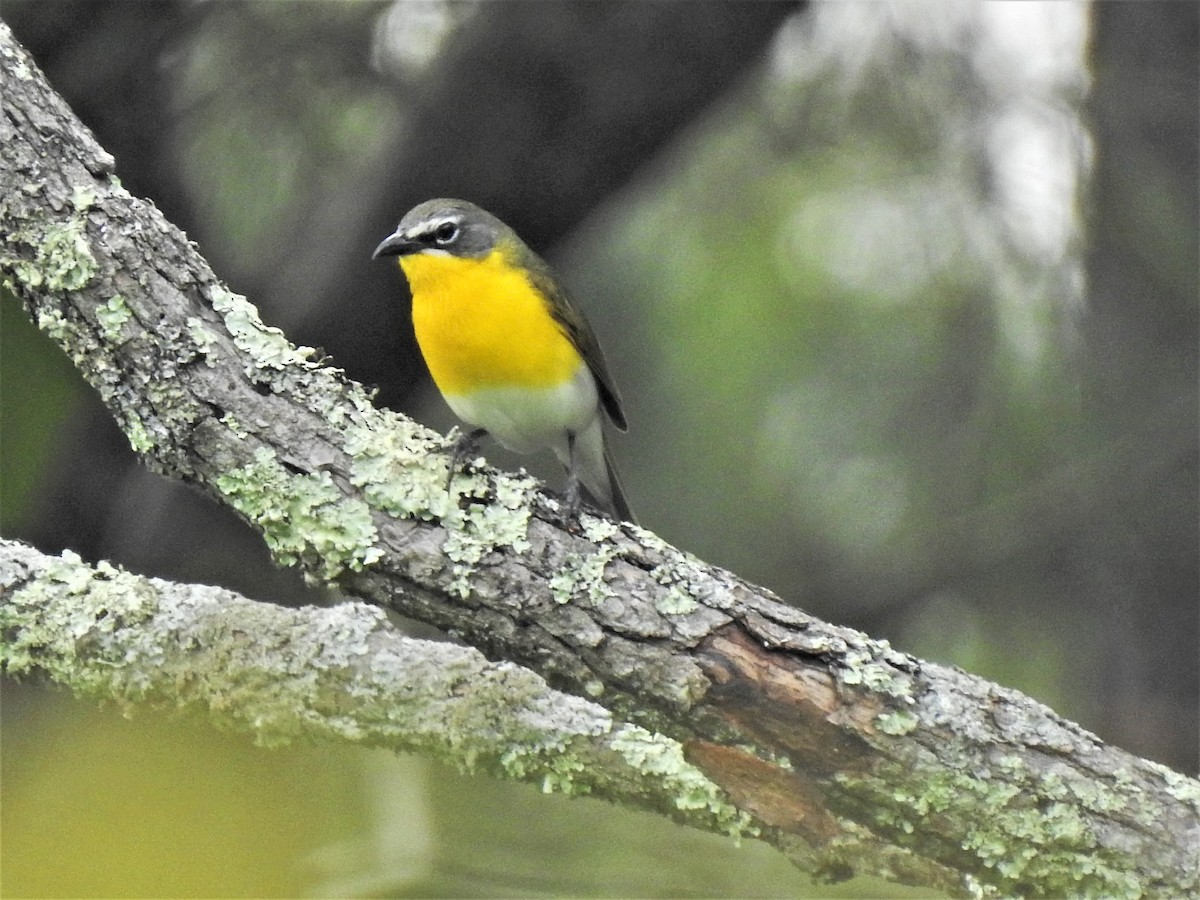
(507, 347)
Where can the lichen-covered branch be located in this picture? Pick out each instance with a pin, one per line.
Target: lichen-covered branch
(341, 673)
(849, 755)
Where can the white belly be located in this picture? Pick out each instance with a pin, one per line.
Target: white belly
(525, 419)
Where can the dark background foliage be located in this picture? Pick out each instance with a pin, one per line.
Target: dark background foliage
(903, 302)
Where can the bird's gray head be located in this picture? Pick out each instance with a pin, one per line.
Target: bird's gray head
(442, 226)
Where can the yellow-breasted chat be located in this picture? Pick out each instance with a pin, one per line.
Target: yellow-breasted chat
(509, 351)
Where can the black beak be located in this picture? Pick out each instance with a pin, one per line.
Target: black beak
(396, 244)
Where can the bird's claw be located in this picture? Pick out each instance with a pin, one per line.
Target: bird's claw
(466, 446)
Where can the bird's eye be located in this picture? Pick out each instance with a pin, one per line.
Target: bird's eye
(445, 233)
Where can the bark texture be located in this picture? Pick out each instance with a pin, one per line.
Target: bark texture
(850, 756)
(341, 673)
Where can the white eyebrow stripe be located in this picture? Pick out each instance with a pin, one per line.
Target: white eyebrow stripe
(427, 227)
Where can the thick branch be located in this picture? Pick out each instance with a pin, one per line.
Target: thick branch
(341, 673)
(854, 757)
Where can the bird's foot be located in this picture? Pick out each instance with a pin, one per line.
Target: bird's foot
(571, 503)
(465, 447)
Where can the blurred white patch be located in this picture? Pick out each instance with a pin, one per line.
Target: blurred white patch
(411, 34)
(986, 186)
(1036, 152)
(880, 242)
(1032, 46)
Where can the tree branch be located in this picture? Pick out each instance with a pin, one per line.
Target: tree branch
(341, 673)
(849, 756)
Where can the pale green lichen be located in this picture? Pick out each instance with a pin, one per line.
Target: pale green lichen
(53, 324)
(562, 776)
(302, 517)
(482, 528)
(861, 666)
(156, 420)
(203, 337)
(1053, 787)
(65, 261)
(265, 344)
(143, 419)
(398, 472)
(662, 758)
(1125, 781)
(1182, 788)
(22, 71)
(83, 197)
(1010, 764)
(896, 722)
(1097, 797)
(139, 438)
(675, 602)
(62, 260)
(598, 530)
(103, 600)
(561, 771)
(355, 406)
(976, 890)
(230, 421)
(112, 316)
(1025, 843)
(683, 577)
(582, 575)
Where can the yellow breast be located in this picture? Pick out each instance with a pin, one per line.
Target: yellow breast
(481, 323)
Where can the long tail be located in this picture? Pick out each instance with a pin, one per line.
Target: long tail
(620, 505)
(587, 458)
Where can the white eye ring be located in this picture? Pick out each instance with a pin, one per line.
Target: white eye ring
(446, 233)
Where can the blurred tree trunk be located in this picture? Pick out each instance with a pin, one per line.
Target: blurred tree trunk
(1141, 341)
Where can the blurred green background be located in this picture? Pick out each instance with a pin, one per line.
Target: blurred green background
(902, 299)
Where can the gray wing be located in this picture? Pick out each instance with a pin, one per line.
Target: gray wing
(576, 327)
